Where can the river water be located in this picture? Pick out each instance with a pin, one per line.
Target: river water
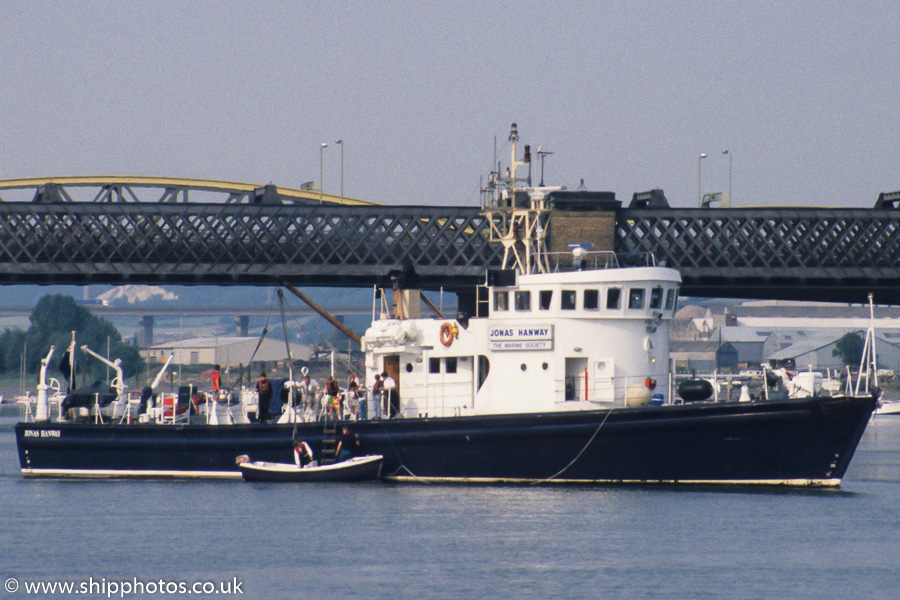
(416, 541)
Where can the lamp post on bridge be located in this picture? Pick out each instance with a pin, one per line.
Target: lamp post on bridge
(725, 151)
(321, 168)
(699, 185)
(341, 142)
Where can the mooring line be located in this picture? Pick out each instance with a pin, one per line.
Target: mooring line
(577, 456)
(403, 467)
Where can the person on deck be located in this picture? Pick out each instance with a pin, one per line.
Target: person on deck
(391, 397)
(216, 381)
(352, 378)
(347, 445)
(377, 391)
(264, 389)
(310, 389)
(362, 395)
(353, 397)
(332, 397)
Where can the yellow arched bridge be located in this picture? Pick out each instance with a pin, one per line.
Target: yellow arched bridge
(115, 230)
(164, 189)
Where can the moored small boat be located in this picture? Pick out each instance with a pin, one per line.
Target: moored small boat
(358, 468)
(888, 407)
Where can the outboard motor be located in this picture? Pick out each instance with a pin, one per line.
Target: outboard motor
(695, 390)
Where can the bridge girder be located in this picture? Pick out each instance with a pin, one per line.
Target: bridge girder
(242, 244)
(118, 230)
(823, 254)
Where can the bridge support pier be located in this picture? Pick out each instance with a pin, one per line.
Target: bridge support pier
(242, 322)
(146, 336)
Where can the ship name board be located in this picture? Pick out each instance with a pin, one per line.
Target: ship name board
(44, 433)
(521, 337)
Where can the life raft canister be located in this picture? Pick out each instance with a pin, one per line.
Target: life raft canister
(448, 332)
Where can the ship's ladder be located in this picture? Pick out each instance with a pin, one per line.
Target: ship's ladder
(329, 442)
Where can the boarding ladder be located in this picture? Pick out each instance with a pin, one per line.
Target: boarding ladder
(329, 442)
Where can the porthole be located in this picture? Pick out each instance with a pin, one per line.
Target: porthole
(545, 366)
(409, 367)
(523, 366)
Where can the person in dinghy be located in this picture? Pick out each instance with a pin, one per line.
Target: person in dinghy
(303, 454)
(347, 445)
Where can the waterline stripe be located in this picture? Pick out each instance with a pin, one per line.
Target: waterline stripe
(112, 474)
(769, 482)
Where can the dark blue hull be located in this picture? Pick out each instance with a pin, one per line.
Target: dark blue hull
(804, 442)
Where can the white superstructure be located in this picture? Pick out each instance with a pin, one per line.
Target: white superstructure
(556, 341)
(564, 332)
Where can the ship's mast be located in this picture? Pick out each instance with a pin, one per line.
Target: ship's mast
(518, 215)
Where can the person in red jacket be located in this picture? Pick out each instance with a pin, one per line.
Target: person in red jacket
(264, 391)
(216, 380)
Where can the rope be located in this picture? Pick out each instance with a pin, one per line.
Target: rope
(577, 456)
(397, 454)
(287, 349)
(403, 467)
(287, 345)
(262, 336)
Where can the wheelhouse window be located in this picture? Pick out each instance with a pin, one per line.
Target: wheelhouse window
(450, 364)
(523, 300)
(670, 299)
(591, 299)
(568, 300)
(613, 298)
(501, 300)
(636, 298)
(656, 297)
(545, 298)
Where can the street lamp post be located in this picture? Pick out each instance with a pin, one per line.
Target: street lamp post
(699, 185)
(729, 174)
(321, 168)
(341, 142)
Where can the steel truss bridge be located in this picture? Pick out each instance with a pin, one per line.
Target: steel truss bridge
(819, 254)
(153, 230)
(252, 235)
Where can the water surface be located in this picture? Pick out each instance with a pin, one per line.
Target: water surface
(416, 541)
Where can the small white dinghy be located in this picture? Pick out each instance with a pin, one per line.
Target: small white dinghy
(888, 407)
(358, 468)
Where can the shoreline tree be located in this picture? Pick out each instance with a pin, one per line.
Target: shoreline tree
(849, 348)
(53, 320)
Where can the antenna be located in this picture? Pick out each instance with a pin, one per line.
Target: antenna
(542, 154)
(495, 154)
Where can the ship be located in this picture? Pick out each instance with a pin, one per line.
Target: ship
(555, 369)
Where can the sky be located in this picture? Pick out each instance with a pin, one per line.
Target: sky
(626, 95)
